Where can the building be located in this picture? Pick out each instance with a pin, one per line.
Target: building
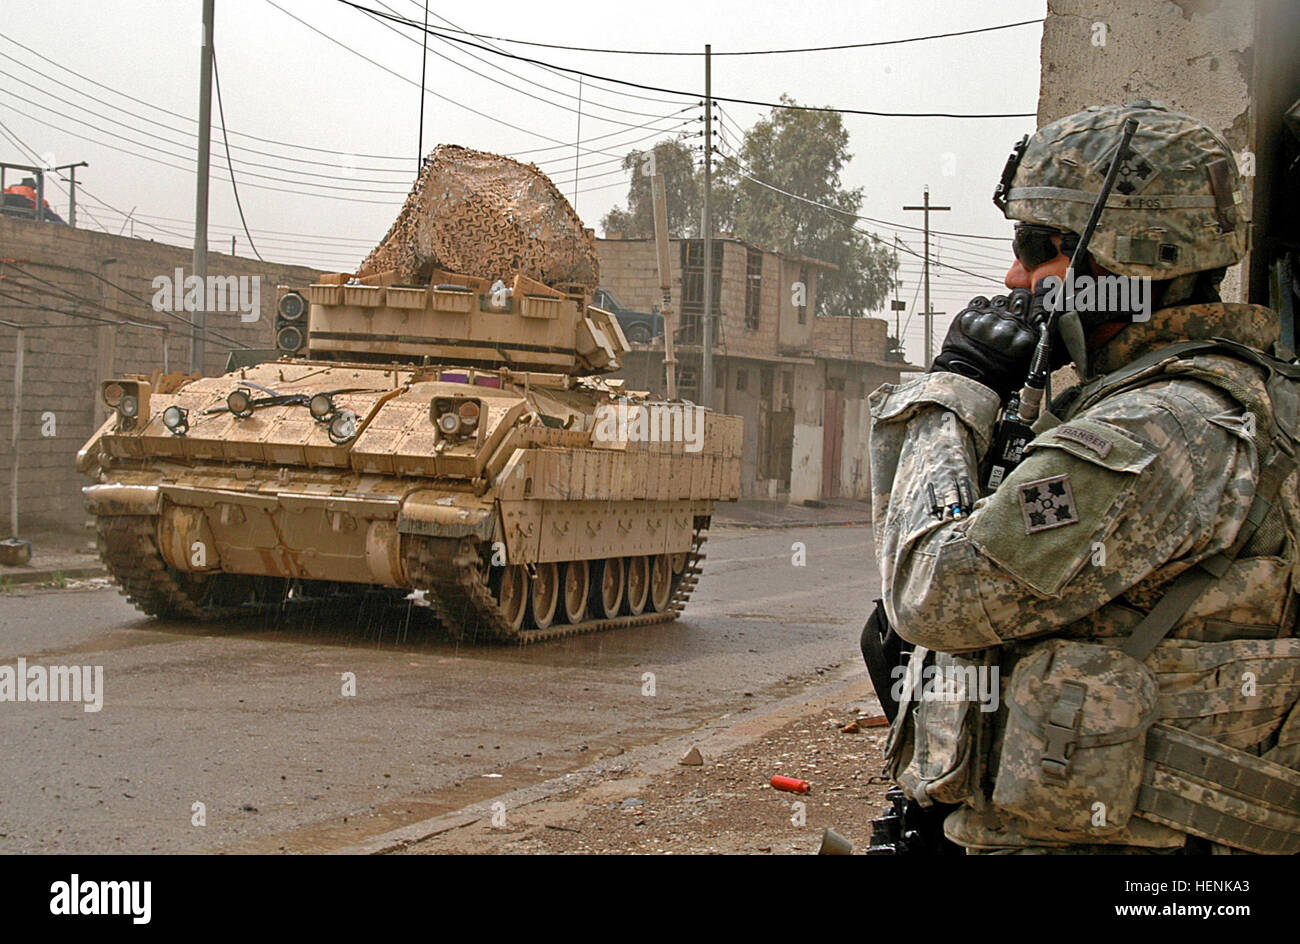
(799, 378)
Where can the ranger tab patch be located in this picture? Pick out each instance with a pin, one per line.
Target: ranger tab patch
(1048, 503)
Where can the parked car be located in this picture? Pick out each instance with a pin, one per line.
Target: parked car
(640, 327)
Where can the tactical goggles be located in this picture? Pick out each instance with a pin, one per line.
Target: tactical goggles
(1033, 244)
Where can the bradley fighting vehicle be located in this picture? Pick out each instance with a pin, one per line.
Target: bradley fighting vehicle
(440, 428)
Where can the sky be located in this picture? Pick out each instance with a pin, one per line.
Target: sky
(323, 104)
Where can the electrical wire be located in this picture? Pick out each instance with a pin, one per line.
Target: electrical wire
(655, 88)
(753, 52)
(216, 81)
(242, 134)
(493, 65)
(162, 124)
(91, 303)
(555, 72)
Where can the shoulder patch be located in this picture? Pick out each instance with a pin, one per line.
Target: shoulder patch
(1047, 503)
(1089, 438)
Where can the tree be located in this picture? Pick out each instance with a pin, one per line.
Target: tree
(798, 152)
(802, 154)
(682, 185)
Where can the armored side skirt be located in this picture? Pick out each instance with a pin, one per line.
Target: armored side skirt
(358, 538)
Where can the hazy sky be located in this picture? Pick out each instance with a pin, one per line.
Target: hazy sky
(330, 118)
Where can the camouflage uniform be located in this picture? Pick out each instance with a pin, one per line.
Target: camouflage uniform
(1115, 498)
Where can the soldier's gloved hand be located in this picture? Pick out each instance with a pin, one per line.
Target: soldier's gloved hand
(992, 341)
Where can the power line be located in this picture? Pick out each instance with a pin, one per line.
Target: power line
(890, 224)
(163, 124)
(667, 91)
(91, 303)
(216, 81)
(627, 111)
(184, 157)
(752, 52)
(140, 101)
(850, 214)
(555, 72)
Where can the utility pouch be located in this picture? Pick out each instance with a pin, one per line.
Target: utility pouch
(932, 746)
(1072, 752)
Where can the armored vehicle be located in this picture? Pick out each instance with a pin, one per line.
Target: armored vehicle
(446, 436)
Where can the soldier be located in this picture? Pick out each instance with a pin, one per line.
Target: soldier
(1129, 586)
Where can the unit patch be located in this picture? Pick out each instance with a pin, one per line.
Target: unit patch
(1048, 503)
(1135, 171)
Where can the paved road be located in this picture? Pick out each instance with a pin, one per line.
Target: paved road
(250, 718)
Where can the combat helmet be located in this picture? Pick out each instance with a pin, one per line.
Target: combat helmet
(1177, 206)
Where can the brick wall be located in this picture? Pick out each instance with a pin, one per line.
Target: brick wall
(78, 275)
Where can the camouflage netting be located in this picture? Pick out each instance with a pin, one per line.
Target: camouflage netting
(488, 216)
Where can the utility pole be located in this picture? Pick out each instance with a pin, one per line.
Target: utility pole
(200, 314)
(72, 189)
(706, 369)
(929, 315)
(424, 62)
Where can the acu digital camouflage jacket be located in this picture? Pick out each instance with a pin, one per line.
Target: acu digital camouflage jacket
(1113, 501)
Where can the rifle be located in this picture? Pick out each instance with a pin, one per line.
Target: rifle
(906, 827)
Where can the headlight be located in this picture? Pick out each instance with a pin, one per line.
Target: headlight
(321, 407)
(177, 419)
(342, 427)
(290, 339)
(128, 406)
(455, 417)
(291, 306)
(112, 393)
(240, 403)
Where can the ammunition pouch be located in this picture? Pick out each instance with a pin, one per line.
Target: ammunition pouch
(1072, 751)
(934, 746)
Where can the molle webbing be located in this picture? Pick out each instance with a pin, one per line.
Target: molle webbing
(1222, 794)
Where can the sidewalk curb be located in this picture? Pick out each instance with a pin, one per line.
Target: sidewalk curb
(714, 738)
(25, 577)
(778, 525)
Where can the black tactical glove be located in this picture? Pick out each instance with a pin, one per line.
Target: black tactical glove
(992, 341)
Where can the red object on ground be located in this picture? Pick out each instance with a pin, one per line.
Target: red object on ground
(790, 784)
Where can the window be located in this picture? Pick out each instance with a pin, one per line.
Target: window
(765, 383)
(692, 255)
(787, 383)
(753, 287)
(742, 380)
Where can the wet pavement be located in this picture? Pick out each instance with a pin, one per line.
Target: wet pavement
(250, 719)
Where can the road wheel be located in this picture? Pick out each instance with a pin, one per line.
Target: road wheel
(638, 585)
(638, 334)
(661, 582)
(577, 586)
(512, 595)
(607, 587)
(544, 595)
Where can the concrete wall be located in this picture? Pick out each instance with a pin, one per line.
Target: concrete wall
(791, 335)
(1197, 56)
(94, 275)
(629, 270)
(851, 350)
(859, 339)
